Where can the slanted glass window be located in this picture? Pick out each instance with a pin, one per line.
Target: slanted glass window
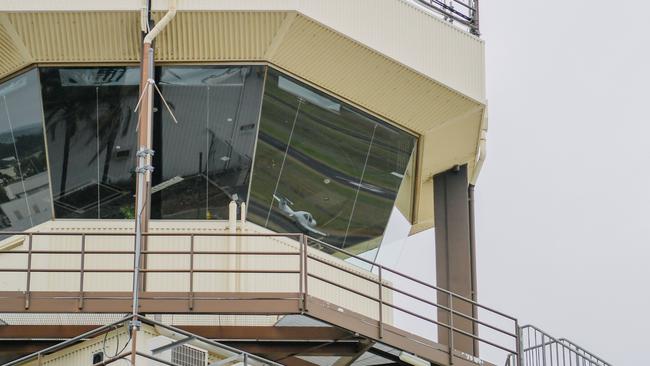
(204, 161)
(325, 168)
(24, 195)
(91, 139)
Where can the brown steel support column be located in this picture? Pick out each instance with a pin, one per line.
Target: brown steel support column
(454, 254)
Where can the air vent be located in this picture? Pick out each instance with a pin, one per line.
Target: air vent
(189, 356)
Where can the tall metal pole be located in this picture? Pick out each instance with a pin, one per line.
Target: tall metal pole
(143, 180)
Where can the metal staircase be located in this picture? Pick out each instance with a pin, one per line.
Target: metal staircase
(539, 348)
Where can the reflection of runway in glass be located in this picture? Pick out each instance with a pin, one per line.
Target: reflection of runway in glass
(327, 170)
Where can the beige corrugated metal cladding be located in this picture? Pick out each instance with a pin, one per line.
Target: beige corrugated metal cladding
(387, 56)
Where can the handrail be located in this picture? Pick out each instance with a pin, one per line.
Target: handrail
(420, 282)
(581, 349)
(542, 349)
(468, 16)
(124, 321)
(305, 272)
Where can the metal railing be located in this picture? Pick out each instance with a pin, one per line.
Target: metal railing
(541, 349)
(247, 359)
(457, 324)
(464, 12)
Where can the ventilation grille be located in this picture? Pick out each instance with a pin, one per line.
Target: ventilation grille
(189, 356)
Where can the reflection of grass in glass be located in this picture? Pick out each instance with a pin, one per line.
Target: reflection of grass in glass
(305, 187)
(332, 146)
(342, 142)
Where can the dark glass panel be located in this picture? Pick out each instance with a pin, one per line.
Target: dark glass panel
(207, 156)
(91, 139)
(376, 192)
(24, 186)
(323, 167)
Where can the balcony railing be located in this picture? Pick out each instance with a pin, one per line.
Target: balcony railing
(195, 268)
(463, 12)
(541, 349)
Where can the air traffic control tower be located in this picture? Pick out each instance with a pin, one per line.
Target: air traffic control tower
(197, 182)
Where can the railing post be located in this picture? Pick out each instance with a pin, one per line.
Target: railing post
(305, 249)
(381, 305)
(81, 271)
(301, 300)
(520, 344)
(543, 350)
(191, 295)
(29, 272)
(451, 328)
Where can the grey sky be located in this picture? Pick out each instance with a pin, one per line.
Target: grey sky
(563, 201)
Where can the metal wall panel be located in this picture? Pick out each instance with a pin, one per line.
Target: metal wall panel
(80, 36)
(217, 36)
(378, 84)
(12, 57)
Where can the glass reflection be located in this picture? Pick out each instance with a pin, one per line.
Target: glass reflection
(205, 160)
(324, 168)
(91, 140)
(24, 195)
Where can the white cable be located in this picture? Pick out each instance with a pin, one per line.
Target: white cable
(356, 195)
(284, 158)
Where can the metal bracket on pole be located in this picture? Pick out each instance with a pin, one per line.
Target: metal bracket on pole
(145, 152)
(144, 169)
(135, 324)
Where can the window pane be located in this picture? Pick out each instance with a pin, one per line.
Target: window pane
(324, 168)
(24, 192)
(91, 139)
(206, 158)
(377, 191)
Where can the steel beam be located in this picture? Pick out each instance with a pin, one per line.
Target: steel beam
(265, 333)
(454, 254)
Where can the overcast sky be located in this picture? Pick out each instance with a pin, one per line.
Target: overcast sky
(563, 203)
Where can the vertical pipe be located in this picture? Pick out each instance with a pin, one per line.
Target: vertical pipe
(472, 255)
(381, 305)
(304, 266)
(476, 19)
(543, 350)
(29, 271)
(134, 346)
(242, 216)
(232, 246)
(451, 328)
(81, 272)
(519, 347)
(191, 304)
(301, 246)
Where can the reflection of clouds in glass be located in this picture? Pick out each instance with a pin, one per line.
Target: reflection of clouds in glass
(24, 193)
(310, 96)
